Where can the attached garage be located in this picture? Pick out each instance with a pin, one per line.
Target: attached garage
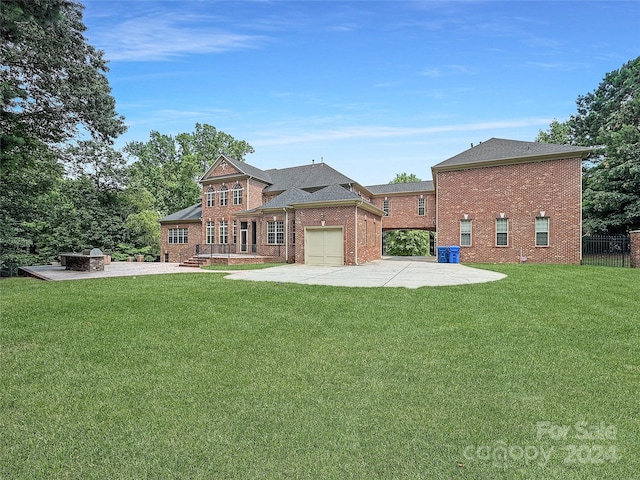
(324, 246)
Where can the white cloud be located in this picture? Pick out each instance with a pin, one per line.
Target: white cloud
(165, 36)
(356, 132)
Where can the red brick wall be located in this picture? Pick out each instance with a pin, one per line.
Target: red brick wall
(342, 216)
(521, 192)
(369, 236)
(403, 211)
(174, 249)
(635, 248)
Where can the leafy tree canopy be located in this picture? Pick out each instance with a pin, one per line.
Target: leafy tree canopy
(405, 178)
(608, 119)
(407, 242)
(53, 83)
(169, 167)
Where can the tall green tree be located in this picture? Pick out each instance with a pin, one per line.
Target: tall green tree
(206, 144)
(608, 119)
(405, 178)
(558, 133)
(169, 167)
(52, 87)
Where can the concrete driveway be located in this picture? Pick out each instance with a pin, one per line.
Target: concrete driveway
(409, 272)
(389, 272)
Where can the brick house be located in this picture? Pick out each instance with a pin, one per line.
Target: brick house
(512, 201)
(502, 200)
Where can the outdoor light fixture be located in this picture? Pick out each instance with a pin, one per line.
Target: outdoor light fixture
(322, 219)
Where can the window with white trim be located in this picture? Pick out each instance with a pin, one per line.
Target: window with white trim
(223, 196)
(465, 233)
(542, 231)
(223, 230)
(211, 233)
(421, 208)
(275, 233)
(235, 231)
(385, 207)
(211, 197)
(178, 235)
(237, 194)
(502, 232)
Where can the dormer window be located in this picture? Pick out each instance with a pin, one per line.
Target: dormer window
(237, 194)
(211, 197)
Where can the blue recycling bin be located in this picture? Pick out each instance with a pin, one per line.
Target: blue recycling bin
(454, 254)
(443, 254)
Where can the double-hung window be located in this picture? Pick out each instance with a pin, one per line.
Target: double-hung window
(421, 207)
(211, 197)
(223, 196)
(465, 233)
(385, 207)
(237, 194)
(502, 232)
(275, 233)
(211, 236)
(178, 235)
(542, 231)
(223, 230)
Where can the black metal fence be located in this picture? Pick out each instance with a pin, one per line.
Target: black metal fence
(607, 251)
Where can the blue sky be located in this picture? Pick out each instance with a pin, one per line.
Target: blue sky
(374, 88)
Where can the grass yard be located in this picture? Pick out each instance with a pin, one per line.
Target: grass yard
(536, 376)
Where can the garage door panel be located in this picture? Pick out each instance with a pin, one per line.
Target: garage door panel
(324, 246)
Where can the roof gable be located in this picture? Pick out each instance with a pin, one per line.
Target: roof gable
(226, 166)
(502, 151)
(305, 177)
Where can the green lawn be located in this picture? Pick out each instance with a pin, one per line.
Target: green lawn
(535, 376)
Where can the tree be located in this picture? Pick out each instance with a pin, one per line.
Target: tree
(169, 167)
(160, 169)
(407, 242)
(53, 83)
(52, 87)
(558, 133)
(608, 119)
(405, 178)
(207, 143)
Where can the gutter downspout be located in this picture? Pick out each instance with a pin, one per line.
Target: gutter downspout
(286, 235)
(356, 233)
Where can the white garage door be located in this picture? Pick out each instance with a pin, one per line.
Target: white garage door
(324, 246)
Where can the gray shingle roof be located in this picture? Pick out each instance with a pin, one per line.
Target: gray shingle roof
(423, 186)
(194, 212)
(496, 149)
(286, 198)
(306, 177)
(331, 193)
